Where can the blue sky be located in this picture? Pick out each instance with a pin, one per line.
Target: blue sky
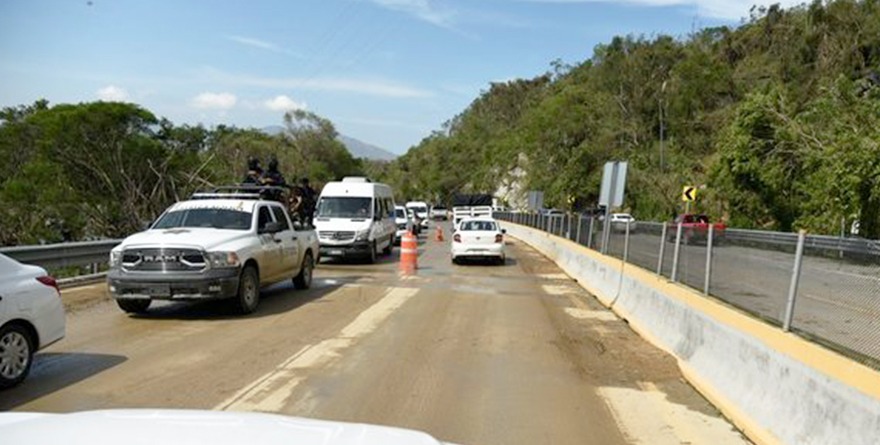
(387, 72)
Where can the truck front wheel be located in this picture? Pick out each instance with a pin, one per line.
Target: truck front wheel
(248, 296)
(134, 306)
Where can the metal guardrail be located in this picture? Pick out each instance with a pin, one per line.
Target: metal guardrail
(822, 287)
(54, 256)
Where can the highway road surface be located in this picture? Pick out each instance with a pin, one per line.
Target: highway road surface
(475, 355)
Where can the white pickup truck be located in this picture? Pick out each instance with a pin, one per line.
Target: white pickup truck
(215, 246)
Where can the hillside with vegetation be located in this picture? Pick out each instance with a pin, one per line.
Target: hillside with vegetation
(104, 169)
(777, 121)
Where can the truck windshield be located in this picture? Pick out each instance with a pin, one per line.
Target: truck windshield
(208, 218)
(399, 213)
(344, 207)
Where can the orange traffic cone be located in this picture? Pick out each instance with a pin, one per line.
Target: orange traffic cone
(438, 234)
(409, 254)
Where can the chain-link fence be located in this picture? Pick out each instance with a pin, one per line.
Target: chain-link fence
(824, 288)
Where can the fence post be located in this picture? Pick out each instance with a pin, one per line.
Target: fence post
(580, 223)
(795, 280)
(626, 243)
(674, 275)
(590, 234)
(662, 248)
(709, 242)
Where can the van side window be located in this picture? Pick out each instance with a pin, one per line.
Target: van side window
(377, 207)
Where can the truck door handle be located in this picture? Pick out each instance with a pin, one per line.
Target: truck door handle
(294, 238)
(276, 240)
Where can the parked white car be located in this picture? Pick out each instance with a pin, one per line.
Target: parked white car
(31, 317)
(177, 426)
(439, 213)
(619, 221)
(216, 246)
(478, 238)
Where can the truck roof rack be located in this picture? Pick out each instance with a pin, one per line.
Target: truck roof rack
(255, 192)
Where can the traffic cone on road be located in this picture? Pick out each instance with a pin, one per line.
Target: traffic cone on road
(409, 254)
(438, 234)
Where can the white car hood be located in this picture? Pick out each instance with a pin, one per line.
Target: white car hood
(185, 427)
(207, 239)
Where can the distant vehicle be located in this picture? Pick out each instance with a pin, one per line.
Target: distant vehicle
(355, 218)
(471, 206)
(220, 245)
(439, 213)
(552, 212)
(619, 221)
(178, 426)
(421, 210)
(31, 317)
(404, 223)
(694, 229)
(478, 238)
(417, 226)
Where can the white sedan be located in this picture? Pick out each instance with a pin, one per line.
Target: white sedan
(31, 317)
(620, 220)
(480, 237)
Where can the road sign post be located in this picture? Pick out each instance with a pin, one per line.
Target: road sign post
(611, 195)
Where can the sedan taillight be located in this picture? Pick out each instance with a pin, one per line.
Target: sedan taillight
(49, 281)
(499, 238)
(456, 238)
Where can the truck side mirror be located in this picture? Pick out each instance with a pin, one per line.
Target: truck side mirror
(272, 227)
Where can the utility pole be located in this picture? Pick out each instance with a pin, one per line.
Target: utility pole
(660, 101)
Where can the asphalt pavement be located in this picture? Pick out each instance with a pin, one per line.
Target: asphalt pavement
(474, 354)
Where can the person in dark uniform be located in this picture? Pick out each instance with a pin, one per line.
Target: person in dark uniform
(272, 177)
(310, 198)
(255, 172)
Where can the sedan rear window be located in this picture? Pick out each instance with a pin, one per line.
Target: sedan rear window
(485, 226)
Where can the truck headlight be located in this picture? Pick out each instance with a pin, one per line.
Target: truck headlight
(223, 259)
(115, 258)
(362, 235)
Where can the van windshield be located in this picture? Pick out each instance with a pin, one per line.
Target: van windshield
(344, 207)
(207, 218)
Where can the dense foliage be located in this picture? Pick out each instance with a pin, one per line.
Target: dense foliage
(103, 169)
(777, 121)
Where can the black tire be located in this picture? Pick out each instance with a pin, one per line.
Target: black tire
(387, 250)
(304, 279)
(500, 261)
(456, 261)
(248, 297)
(17, 349)
(134, 306)
(373, 256)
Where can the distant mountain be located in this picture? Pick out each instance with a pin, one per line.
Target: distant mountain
(357, 148)
(361, 149)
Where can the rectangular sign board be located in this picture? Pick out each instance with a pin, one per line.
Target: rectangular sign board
(613, 184)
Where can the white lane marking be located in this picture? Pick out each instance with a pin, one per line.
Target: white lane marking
(270, 392)
(584, 314)
(646, 416)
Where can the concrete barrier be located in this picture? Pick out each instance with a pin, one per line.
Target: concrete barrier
(775, 386)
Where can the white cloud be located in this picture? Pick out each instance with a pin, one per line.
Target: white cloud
(261, 44)
(283, 103)
(422, 9)
(371, 87)
(112, 93)
(214, 101)
(720, 9)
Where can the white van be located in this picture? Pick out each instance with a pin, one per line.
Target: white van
(421, 210)
(355, 218)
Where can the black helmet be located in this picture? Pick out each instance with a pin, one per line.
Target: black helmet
(253, 163)
(273, 164)
(305, 181)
